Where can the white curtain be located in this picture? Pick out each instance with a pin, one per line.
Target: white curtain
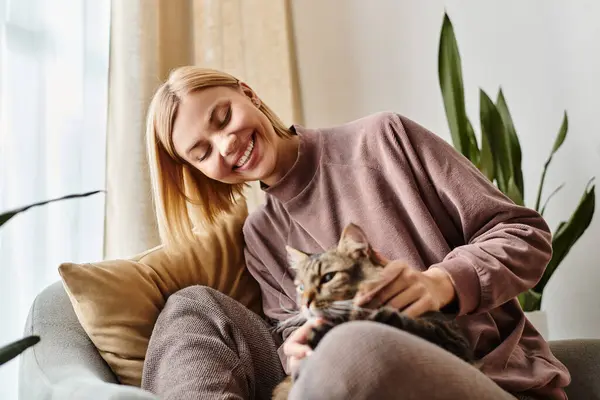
(53, 109)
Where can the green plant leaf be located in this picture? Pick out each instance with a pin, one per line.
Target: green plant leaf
(473, 147)
(513, 192)
(6, 216)
(530, 300)
(560, 138)
(513, 142)
(562, 134)
(569, 232)
(550, 196)
(486, 159)
(493, 129)
(559, 228)
(12, 350)
(451, 85)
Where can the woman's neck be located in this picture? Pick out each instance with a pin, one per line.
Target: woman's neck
(287, 154)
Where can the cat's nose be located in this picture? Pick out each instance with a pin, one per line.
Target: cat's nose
(308, 300)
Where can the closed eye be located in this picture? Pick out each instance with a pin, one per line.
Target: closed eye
(204, 155)
(227, 117)
(327, 277)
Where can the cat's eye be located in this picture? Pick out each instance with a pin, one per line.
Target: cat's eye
(300, 287)
(327, 277)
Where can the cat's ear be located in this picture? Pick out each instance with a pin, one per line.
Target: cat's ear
(295, 256)
(353, 242)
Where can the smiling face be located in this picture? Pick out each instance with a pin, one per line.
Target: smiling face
(221, 132)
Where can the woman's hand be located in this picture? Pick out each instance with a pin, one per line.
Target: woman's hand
(409, 290)
(296, 347)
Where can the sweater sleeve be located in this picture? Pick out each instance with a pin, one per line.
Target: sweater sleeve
(505, 247)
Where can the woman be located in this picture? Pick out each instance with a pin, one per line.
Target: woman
(469, 250)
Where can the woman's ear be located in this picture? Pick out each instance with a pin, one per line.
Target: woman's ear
(247, 90)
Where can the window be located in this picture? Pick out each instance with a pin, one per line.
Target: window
(53, 112)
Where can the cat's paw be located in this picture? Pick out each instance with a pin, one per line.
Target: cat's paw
(386, 315)
(317, 333)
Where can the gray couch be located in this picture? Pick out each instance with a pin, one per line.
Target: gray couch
(66, 365)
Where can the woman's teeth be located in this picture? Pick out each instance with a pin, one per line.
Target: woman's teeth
(244, 158)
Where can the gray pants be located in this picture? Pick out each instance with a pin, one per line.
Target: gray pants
(207, 346)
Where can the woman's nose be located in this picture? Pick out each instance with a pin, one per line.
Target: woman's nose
(227, 144)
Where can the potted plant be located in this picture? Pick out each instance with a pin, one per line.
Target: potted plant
(12, 350)
(499, 159)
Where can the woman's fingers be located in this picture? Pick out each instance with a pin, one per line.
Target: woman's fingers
(393, 281)
(406, 297)
(418, 308)
(295, 345)
(403, 288)
(293, 364)
(297, 350)
(383, 296)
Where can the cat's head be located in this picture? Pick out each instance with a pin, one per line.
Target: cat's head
(326, 283)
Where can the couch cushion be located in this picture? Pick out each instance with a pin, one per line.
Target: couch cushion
(582, 359)
(118, 301)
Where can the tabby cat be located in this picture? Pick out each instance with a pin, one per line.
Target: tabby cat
(326, 284)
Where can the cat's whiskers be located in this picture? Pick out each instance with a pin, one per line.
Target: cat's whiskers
(288, 311)
(333, 316)
(346, 305)
(294, 321)
(279, 299)
(296, 317)
(343, 310)
(338, 310)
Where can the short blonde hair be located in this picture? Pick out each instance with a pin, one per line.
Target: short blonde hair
(184, 198)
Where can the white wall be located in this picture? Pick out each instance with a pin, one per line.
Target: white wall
(357, 57)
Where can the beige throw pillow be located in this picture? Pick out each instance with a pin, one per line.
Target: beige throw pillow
(118, 301)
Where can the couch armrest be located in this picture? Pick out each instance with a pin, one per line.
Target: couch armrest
(582, 358)
(65, 364)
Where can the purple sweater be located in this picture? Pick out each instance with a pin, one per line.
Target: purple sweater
(419, 201)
